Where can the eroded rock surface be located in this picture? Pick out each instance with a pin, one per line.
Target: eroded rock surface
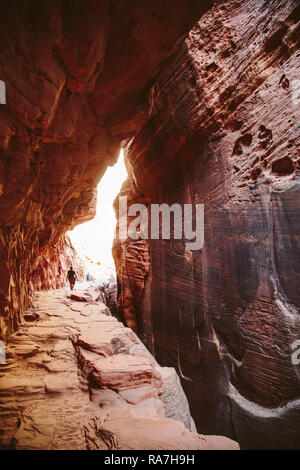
(76, 75)
(216, 123)
(223, 131)
(76, 378)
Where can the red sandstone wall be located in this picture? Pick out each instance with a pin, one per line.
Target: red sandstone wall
(75, 73)
(223, 130)
(215, 124)
(27, 269)
(132, 266)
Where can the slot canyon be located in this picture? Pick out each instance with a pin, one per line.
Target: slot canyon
(203, 98)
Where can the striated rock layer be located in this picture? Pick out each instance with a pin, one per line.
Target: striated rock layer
(76, 379)
(223, 131)
(25, 268)
(217, 122)
(75, 74)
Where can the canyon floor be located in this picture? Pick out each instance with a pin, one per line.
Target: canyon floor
(76, 378)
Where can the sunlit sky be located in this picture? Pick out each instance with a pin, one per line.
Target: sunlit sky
(95, 237)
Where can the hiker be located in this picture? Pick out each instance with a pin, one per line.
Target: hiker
(72, 277)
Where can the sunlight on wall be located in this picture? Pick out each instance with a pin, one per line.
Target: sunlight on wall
(94, 238)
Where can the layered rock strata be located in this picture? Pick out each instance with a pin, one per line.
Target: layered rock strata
(223, 131)
(217, 122)
(75, 74)
(76, 378)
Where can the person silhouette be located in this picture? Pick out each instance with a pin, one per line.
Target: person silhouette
(72, 277)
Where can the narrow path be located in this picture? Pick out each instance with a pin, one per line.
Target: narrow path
(76, 378)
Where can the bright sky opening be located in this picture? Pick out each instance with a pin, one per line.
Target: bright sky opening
(94, 238)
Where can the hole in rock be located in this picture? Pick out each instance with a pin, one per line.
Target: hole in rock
(284, 166)
(93, 240)
(256, 173)
(275, 40)
(244, 141)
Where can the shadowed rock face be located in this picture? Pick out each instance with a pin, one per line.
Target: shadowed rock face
(217, 122)
(223, 130)
(75, 75)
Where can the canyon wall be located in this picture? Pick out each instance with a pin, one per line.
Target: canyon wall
(210, 118)
(223, 131)
(75, 73)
